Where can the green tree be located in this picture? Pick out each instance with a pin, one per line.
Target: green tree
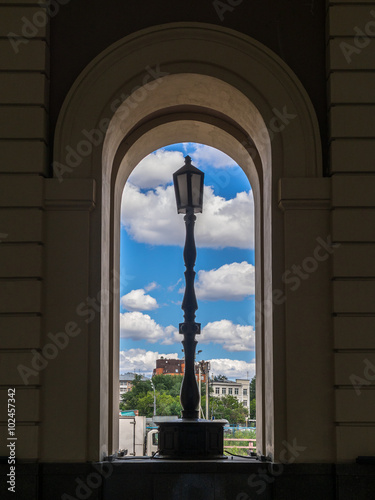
(252, 398)
(228, 407)
(252, 388)
(141, 396)
(145, 405)
(220, 378)
(170, 384)
(168, 405)
(139, 389)
(252, 409)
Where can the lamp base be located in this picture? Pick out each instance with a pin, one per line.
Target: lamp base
(191, 439)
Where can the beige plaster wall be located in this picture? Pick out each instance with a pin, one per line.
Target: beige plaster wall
(23, 165)
(350, 72)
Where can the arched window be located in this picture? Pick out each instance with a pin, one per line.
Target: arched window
(151, 267)
(179, 83)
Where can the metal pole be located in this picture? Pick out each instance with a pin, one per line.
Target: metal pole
(200, 388)
(207, 391)
(189, 396)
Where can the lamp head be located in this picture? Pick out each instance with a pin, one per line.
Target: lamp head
(188, 185)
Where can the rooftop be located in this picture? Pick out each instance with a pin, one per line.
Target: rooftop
(231, 382)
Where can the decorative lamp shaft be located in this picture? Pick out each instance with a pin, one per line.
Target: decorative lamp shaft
(189, 303)
(188, 183)
(189, 395)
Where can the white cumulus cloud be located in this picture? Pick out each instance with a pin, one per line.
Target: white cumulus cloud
(232, 337)
(213, 156)
(151, 217)
(141, 361)
(226, 223)
(156, 169)
(233, 281)
(138, 300)
(138, 326)
(233, 368)
(151, 286)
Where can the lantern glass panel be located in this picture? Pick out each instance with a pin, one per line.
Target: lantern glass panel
(196, 190)
(182, 181)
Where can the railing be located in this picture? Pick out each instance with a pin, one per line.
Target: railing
(251, 446)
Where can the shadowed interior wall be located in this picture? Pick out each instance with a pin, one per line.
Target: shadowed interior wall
(351, 57)
(293, 29)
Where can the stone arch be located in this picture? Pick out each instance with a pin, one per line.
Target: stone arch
(187, 82)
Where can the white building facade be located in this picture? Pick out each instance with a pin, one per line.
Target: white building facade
(126, 382)
(240, 389)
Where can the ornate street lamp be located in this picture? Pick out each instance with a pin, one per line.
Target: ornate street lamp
(188, 184)
(190, 437)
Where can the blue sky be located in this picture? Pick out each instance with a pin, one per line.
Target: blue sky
(152, 267)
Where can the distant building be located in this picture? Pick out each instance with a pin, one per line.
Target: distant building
(240, 389)
(169, 367)
(175, 367)
(126, 382)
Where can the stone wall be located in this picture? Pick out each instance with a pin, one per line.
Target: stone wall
(24, 83)
(351, 93)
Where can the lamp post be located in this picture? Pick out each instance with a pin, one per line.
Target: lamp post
(199, 365)
(207, 373)
(188, 184)
(153, 387)
(190, 437)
